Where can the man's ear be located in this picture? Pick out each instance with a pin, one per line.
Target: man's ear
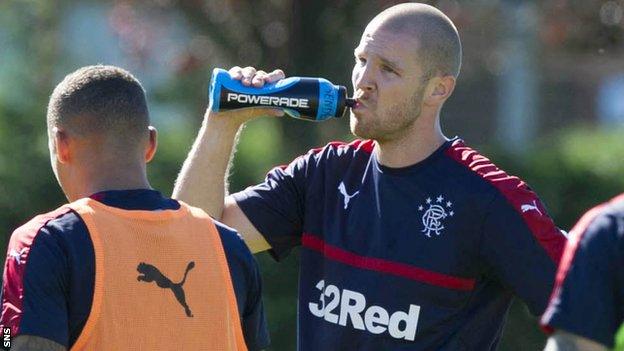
(152, 144)
(62, 148)
(439, 89)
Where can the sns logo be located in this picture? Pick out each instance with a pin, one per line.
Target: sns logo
(347, 305)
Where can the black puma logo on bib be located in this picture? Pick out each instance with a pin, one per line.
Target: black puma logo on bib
(152, 274)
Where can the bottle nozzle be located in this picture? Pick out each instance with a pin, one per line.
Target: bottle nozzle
(350, 102)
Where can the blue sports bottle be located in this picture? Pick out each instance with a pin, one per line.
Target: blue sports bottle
(311, 99)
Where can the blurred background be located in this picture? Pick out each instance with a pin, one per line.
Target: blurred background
(541, 92)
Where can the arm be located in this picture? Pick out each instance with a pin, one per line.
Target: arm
(35, 343)
(234, 216)
(247, 285)
(562, 341)
(584, 302)
(202, 182)
(521, 249)
(254, 322)
(34, 299)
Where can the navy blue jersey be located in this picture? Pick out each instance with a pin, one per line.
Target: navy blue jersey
(588, 299)
(425, 257)
(53, 297)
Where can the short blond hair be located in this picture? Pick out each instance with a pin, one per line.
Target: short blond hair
(440, 48)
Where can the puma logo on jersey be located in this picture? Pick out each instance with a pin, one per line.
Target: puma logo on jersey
(343, 306)
(529, 207)
(347, 197)
(149, 274)
(17, 256)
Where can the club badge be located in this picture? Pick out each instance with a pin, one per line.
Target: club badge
(435, 212)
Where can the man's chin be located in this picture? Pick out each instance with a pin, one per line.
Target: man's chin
(355, 125)
(361, 132)
(361, 129)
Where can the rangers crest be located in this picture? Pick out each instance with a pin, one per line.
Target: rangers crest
(434, 215)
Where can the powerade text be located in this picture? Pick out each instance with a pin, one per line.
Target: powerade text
(268, 100)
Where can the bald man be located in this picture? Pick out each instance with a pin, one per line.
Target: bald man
(121, 266)
(410, 240)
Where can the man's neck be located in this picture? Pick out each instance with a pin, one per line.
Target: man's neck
(414, 146)
(95, 182)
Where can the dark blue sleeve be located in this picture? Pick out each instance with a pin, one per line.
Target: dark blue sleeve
(49, 277)
(276, 206)
(586, 301)
(45, 298)
(516, 252)
(72, 234)
(247, 288)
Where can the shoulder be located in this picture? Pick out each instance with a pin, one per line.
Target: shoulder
(501, 185)
(596, 238)
(482, 168)
(510, 197)
(602, 224)
(244, 270)
(43, 245)
(343, 149)
(48, 226)
(585, 280)
(232, 242)
(36, 261)
(611, 212)
(236, 251)
(338, 150)
(45, 238)
(332, 156)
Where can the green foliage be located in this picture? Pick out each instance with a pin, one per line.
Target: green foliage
(572, 170)
(280, 298)
(619, 339)
(258, 151)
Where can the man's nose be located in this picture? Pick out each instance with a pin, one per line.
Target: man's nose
(365, 80)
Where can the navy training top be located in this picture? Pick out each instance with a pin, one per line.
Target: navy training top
(588, 299)
(59, 276)
(424, 257)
